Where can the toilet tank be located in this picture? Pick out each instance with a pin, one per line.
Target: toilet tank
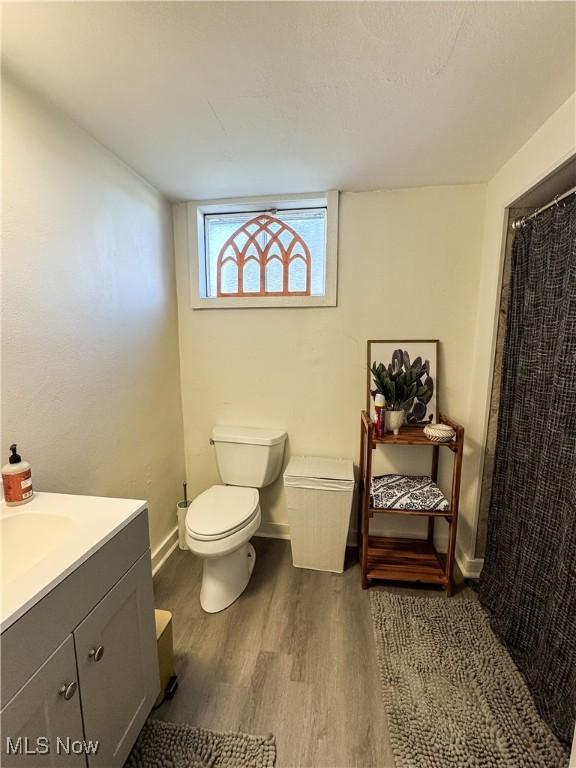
(248, 456)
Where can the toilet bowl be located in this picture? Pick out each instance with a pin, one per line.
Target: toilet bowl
(221, 521)
(219, 525)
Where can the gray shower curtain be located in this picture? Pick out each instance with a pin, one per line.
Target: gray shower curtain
(528, 584)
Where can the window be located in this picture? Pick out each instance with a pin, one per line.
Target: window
(267, 254)
(264, 252)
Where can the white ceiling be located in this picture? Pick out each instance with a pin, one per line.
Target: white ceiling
(221, 99)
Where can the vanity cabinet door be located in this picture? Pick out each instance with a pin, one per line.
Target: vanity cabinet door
(118, 665)
(43, 721)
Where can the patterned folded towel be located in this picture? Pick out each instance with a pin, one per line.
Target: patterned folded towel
(406, 492)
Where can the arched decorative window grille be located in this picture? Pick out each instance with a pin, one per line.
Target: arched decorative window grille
(275, 248)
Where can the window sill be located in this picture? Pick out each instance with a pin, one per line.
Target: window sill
(263, 302)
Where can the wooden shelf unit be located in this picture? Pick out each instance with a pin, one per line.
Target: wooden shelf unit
(400, 559)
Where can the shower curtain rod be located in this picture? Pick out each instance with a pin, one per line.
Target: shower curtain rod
(517, 223)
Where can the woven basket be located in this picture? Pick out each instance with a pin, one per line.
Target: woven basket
(439, 433)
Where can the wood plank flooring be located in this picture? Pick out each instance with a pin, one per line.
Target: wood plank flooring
(294, 656)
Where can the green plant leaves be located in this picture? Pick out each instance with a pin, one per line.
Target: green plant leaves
(419, 411)
(404, 384)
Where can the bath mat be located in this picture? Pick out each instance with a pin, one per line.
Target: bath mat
(452, 693)
(178, 745)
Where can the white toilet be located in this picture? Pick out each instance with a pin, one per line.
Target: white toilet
(222, 520)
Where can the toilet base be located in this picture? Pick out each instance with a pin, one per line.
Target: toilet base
(225, 578)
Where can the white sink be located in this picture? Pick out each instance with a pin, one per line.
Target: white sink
(43, 541)
(27, 537)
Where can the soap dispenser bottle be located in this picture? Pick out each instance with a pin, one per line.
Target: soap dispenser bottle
(17, 480)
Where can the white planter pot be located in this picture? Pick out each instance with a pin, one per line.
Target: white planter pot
(394, 420)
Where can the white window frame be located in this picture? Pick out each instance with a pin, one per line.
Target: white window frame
(196, 211)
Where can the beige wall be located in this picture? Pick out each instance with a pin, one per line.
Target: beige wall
(408, 268)
(551, 146)
(90, 384)
(90, 358)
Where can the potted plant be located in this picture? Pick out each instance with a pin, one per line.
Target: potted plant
(406, 386)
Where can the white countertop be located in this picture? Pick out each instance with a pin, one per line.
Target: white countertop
(43, 541)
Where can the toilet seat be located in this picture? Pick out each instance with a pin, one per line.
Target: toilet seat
(221, 511)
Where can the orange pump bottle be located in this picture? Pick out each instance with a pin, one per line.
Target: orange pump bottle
(17, 480)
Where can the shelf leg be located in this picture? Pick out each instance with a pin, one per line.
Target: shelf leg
(454, 504)
(364, 516)
(360, 493)
(435, 457)
(434, 477)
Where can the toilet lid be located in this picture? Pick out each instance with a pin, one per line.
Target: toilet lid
(221, 510)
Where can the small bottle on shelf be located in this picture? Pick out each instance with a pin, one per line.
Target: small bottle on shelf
(379, 404)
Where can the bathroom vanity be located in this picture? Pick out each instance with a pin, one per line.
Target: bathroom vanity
(78, 643)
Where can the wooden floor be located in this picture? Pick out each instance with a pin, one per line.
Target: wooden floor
(294, 656)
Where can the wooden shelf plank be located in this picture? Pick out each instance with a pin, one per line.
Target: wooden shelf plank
(410, 435)
(399, 559)
(413, 512)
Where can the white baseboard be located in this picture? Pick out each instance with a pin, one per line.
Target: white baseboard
(269, 530)
(469, 567)
(164, 550)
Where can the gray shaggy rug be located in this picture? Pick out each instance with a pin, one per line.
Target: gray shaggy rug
(452, 694)
(178, 745)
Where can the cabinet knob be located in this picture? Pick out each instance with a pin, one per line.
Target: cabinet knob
(68, 690)
(96, 653)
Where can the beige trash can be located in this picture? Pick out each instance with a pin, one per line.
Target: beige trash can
(319, 494)
(165, 650)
